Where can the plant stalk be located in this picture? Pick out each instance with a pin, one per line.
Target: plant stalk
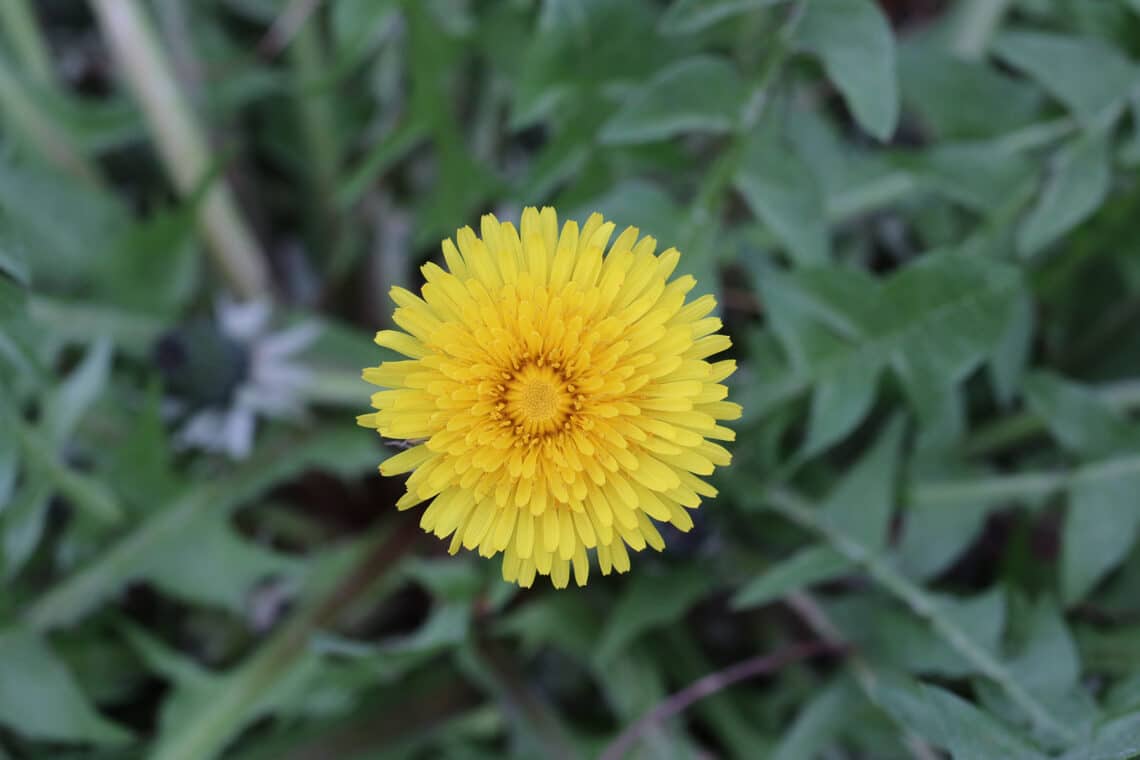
(38, 130)
(20, 27)
(181, 144)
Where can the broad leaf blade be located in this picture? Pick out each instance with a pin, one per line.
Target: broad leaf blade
(855, 43)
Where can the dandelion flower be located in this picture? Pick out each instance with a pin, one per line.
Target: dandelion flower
(562, 395)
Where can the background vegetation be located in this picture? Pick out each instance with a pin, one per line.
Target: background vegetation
(922, 220)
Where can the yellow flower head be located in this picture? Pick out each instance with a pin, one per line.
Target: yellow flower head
(562, 395)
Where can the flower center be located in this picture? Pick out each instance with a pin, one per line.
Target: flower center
(537, 399)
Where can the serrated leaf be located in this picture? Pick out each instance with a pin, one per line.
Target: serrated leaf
(14, 262)
(218, 567)
(1010, 355)
(783, 193)
(152, 266)
(837, 407)
(1100, 527)
(569, 63)
(981, 178)
(1089, 77)
(561, 620)
(689, 16)
(643, 607)
(891, 636)
(948, 721)
(963, 100)
(1118, 739)
(9, 465)
(854, 41)
(698, 94)
(66, 404)
(862, 503)
(40, 699)
(334, 449)
(30, 200)
(23, 523)
(13, 300)
(935, 535)
(818, 722)
(1080, 420)
(806, 567)
(933, 323)
(1074, 191)
(1048, 663)
(358, 25)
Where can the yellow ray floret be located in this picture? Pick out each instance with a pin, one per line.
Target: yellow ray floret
(562, 393)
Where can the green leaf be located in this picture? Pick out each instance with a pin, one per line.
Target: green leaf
(1100, 527)
(9, 465)
(40, 699)
(66, 404)
(689, 16)
(1080, 420)
(1048, 662)
(890, 636)
(853, 40)
(643, 607)
(818, 723)
(933, 323)
(963, 100)
(1076, 188)
(806, 567)
(783, 193)
(334, 449)
(24, 521)
(65, 253)
(698, 94)
(13, 300)
(1089, 77)
(561, 620)
(838, 407)
(152, 266)
(935, 535)
(948, 721)
(568, 65)
(862, 503)
(358, 25)
(1116, 740)
(218, 567)
(1010, 355)
(980, 177)
(14, 263)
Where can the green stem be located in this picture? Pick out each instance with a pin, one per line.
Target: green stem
(19, 23)
(317, 119)
(38, 130)
(920, 604)
(181, 143)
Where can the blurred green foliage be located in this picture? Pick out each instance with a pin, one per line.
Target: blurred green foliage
(922, 221)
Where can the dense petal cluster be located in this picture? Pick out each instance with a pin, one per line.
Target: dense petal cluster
(560, 397)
